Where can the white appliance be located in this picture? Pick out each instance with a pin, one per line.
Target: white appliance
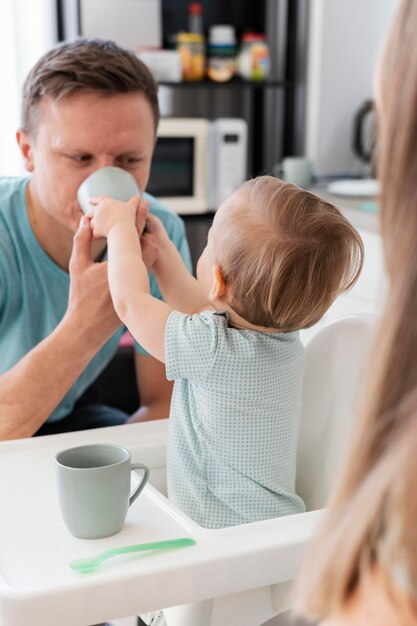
(228, 158)
(165, 65)
(130, 23)
(180, 164)
(198, 163)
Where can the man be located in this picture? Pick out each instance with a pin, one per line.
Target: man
(86, 105)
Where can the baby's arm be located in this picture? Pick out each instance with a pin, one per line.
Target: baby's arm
(144, 315)
(178, 287)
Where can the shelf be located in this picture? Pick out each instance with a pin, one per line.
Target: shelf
(235, 83)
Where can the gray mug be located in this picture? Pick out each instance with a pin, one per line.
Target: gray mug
(108, 181)
(94, 488)
(295, 170)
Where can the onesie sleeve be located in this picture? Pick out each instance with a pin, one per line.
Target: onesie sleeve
(191, 344)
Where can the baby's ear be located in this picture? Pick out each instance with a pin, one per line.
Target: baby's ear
(218, 286)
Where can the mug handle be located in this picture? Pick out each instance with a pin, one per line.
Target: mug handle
(142, 483)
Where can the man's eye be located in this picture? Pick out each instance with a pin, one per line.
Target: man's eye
(129, 160)
(81, 158)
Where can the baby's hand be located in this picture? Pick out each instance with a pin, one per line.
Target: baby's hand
(142, 216)
(153, 240)
(106, 212)
(155, 230)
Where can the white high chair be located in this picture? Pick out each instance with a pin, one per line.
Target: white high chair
(237, 576)
(260, 588)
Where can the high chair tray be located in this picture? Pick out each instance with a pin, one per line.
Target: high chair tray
(37, 587)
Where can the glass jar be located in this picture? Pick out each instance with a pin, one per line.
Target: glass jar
(191, 49)
(254, 61)
(221, 53)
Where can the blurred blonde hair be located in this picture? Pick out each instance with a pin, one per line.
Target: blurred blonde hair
(372, 513)
(286, 254)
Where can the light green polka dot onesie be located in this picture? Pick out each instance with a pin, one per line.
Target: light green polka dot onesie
(234, 420)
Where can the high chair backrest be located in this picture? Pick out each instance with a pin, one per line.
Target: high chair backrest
(335, 380)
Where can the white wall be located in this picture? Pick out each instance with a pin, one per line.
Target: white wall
(345, 37)
(27, 29)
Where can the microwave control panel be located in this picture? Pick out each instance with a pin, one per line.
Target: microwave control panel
(228, 138)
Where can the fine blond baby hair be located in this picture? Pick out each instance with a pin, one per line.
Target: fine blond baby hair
(286, 254)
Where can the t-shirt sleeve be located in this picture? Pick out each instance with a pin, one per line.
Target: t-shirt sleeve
(191, 344)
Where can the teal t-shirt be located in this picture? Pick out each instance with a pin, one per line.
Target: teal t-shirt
(34, 290)
(234, 420)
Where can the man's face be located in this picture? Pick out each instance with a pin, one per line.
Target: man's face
(76, 136)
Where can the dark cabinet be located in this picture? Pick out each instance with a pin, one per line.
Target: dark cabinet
(266, 106)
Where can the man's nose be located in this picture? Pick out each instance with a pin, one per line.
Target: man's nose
(104, 161)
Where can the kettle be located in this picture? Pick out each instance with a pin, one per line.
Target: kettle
(364, 132)
(363, 146)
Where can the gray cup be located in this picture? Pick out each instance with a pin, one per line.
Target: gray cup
(94, 488)
(108, 181)
(295, 170)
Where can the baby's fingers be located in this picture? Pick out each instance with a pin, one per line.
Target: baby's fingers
(95, 200)
(153, 224)
(142, 216)
(143, 207)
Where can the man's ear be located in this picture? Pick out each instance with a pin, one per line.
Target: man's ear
(218, 286)
(25, 144)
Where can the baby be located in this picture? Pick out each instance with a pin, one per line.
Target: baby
(276, 258)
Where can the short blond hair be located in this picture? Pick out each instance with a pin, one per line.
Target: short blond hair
(286, 254)
(86, 66)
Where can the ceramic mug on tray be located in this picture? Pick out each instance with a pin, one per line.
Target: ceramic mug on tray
(94, 490)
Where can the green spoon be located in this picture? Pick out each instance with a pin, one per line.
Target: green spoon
(91, 563)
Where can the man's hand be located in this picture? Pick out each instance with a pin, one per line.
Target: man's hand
(36, 384)
(89, 295)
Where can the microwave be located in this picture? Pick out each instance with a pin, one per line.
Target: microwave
(198, 163)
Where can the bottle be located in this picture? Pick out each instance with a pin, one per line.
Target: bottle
(195, 18)
(191, 50)
(221, 53)
(254, 60)
(191, 45)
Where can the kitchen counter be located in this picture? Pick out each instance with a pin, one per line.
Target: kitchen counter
(359, 211)
(368, 294)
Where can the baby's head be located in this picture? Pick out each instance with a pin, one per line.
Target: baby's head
(284, 254)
